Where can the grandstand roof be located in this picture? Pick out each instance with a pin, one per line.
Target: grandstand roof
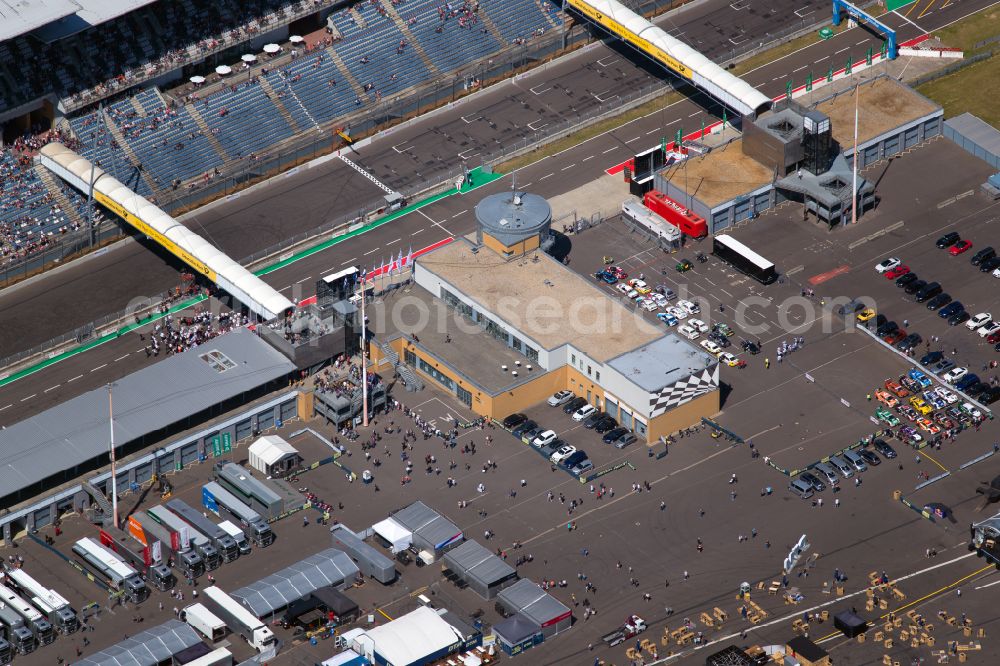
(76, 431)
(86, 14)
(20, 16)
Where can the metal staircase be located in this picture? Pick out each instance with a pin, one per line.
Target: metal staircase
(409, 377)
(102, 502)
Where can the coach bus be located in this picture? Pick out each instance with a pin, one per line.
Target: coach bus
(743, 259)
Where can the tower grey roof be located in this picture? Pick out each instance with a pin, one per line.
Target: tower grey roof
(513, 216)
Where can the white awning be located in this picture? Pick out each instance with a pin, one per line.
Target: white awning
(399, 537)
(269, 450)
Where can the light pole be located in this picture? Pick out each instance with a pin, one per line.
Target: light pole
(114, 468)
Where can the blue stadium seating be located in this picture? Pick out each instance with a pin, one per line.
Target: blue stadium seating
(251, 122)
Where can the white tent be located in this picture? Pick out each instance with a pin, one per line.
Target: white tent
(399, 537)
(411, 638)
(273, 455)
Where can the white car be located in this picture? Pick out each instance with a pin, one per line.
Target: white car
(980, 319)
(562, 454)
(887, 265)
(584, 412)
(996, 272)
(728, 359)
(648, 304)
(954, 375)
(638, 284)
(946, 395)
(989, 329)
(543, 438)
(560, 398)
(660, 299)
(971, 410)
(689, 307)
(678, 313)
(688, 332)
(698, 325)
(711, 347)
(627, 290)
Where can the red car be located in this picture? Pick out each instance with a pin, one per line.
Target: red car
(993, 338)
(618, 272)
(959, 247)
(897, 272)
(895, 336)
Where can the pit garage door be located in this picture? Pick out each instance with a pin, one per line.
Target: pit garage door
(870, 155)
(892, 145)
(911, 137)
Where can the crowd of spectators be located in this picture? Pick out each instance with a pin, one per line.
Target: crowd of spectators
(140, 45)
(188, 332)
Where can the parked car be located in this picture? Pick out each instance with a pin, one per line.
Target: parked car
(574, 404)
(884, 449)
(514, 420)
(574, 458)
(605, 424)
(562, 454)
(688, 332)
(895, 336)
(667, 318)
(938, 302)
(948, 239)
(711, 347)
(698, 325)
(967, 381)
(928, 292)
(959, 247)
(897, 272)
(582, 467)
(909, 342)
(625, 440)
(584, 412)
(525, 426)
(801, 488)
(689, 307)
(980, 319)
(544, 437)
(886, 328)
(869, 457)
(591, 420)
(989, 330)
(907, 279)
(919, 377)
(886, 417)
(990, 265)
(887, 264)
(931, 357)
(813, 481)
(614, 434)
(915, 286)
(944, 365)
(952, 308)
(958, 318)
(560, 398)
(946, 395)
(985, 254)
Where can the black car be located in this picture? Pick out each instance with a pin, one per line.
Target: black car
(751, 348)
(952, 308)
(525, 426)
(906, 279)
(948, 239)
(909, 342)
(984, 254)
(813, 481)
(869, 457)
(976, 390)
(938, 302)
(614, 434)
(574, 404)
(594, 419)
(990, 265)
(548, 449)
(958, 318)
(967, 381)
(886, 328)
(928, 292)
(515, 420)
(578, 456)
(931, 357)
(606, 424)
(880, 319)
(719, 339)
(993, 396)
(915, 286)
(883, 448)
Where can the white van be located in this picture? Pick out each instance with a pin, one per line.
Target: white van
(856, 461)
(827, 472)
(842, 466)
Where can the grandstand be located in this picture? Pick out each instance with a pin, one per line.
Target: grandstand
(157, 138)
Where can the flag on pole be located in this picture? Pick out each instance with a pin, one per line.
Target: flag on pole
(409, 258)
(399, 261)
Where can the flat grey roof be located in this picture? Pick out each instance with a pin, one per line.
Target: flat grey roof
(977, 130)
(472, 560)
(88, 14)
(153, 646)
(533, 602)
(270, 594)
(662, 362)
(76, 431)
(427, 523)
(20, 16)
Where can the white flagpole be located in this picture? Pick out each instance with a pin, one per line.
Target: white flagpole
(114, 467)
(364, 362)
(854, 191)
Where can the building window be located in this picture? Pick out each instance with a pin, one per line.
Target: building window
(598, 375)
(572, 359)
(409, 357)
(589, 370)
(531, 353)
(445, 381)
(640, 428)
(626, 419)
(464, 396)
(516, 343)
